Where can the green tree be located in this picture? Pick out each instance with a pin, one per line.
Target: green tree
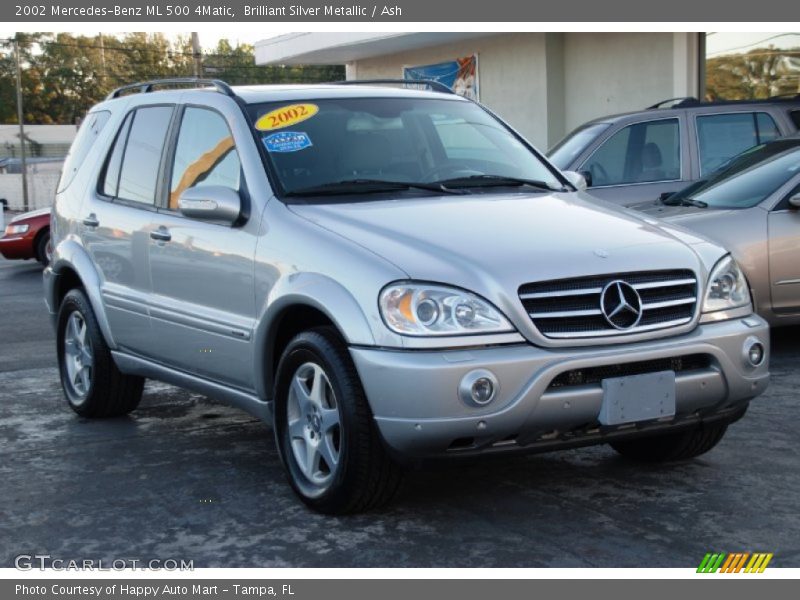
(63, 75)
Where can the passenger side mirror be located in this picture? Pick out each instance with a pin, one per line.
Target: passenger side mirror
(577, 179)
(211, 203)
(587, 177)
(794, 201)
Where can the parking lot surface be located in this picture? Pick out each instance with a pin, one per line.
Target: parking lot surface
(186, 478)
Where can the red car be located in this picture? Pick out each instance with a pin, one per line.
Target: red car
(28, 236)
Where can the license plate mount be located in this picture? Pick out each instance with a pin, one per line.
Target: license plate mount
(638, 398)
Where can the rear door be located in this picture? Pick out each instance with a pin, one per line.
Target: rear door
(203, 303)
(116, 220)
(639, 161)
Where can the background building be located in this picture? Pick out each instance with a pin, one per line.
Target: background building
(543, 84)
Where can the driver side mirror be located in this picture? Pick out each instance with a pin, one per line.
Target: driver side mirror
(213, 203)
(794, 201)
(587, 177)
(577, 179)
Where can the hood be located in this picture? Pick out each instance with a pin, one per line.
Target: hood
(31, 215)
(499, 242)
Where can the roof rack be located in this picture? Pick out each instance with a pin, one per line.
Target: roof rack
(436, 86)
(145, 87)
(675, 102)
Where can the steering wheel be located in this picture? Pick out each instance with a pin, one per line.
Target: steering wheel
(599, 173)
(447, 171)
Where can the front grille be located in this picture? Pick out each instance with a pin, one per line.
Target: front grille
(593, 375)
(571, 308)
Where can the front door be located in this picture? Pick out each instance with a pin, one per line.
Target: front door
(784, 256)
(203, 303)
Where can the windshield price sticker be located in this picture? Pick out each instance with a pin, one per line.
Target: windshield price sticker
(287, 141)
(285, 116)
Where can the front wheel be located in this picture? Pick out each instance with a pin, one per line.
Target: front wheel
(681, 445)
(324, 428)
(92, 383)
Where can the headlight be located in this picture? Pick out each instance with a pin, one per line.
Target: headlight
(14, 229)
(727, 287)
(420, 309)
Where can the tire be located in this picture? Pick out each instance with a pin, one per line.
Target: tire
(681, 445)
(42, 248)
(92, 384)
(317, 384)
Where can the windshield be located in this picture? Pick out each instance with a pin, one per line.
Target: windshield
(746, 180)
(419, 145)
(567, 150)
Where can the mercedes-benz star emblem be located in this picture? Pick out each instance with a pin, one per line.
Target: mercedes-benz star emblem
(621, 304)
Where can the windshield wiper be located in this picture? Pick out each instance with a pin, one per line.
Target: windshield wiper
(498, 181)
(369, 186)
(672, 201)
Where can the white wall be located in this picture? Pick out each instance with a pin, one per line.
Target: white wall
(41, 189)
(607, 73)
(546, 84)
(512, 74)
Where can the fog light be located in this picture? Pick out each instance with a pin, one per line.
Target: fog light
(754, 352)
(478, 387)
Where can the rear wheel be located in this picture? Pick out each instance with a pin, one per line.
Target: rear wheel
(680, 445)
(92, 383)
(325, 431)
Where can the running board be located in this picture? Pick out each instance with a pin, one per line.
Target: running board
(250, 403)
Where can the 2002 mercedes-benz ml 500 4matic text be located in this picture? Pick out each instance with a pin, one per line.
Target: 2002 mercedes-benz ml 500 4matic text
(385, 274)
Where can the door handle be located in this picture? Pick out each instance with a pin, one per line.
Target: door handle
(91, 221)
(161, 234)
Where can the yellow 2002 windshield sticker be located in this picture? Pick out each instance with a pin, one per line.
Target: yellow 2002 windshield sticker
(286, 116)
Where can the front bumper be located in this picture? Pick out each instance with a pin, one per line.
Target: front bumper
(16, 247)
(414, 394)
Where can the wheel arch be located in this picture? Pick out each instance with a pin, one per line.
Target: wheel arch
(293, 307)
(73, 268)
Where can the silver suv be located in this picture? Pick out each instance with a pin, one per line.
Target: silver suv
(384, 274)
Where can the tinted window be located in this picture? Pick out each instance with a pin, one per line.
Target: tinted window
(576, 142)
(87, 135)
(111, 177)
(396, 140)
(722, 136)
(204, 155)
(748, 179)
(139, 172)
(795, 114)
(639, 153)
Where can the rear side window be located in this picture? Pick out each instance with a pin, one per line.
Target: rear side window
(87, 135)
(645, 152)
(133, 165)
(795, 115)
(721, 137)
(205, 154)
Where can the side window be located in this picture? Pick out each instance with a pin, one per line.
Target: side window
(204, 155)
(138, 176)
(722, 137)
(87, 134)
(111, 177)
(795, 115)
(640, 153)
(766, 129)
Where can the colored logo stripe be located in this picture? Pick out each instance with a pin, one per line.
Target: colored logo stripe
(734, 563)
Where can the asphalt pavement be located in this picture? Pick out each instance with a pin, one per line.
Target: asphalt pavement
(184, 477)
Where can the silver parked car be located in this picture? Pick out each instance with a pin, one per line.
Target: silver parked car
(383, 274)
(752, 206)
(640, 156)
